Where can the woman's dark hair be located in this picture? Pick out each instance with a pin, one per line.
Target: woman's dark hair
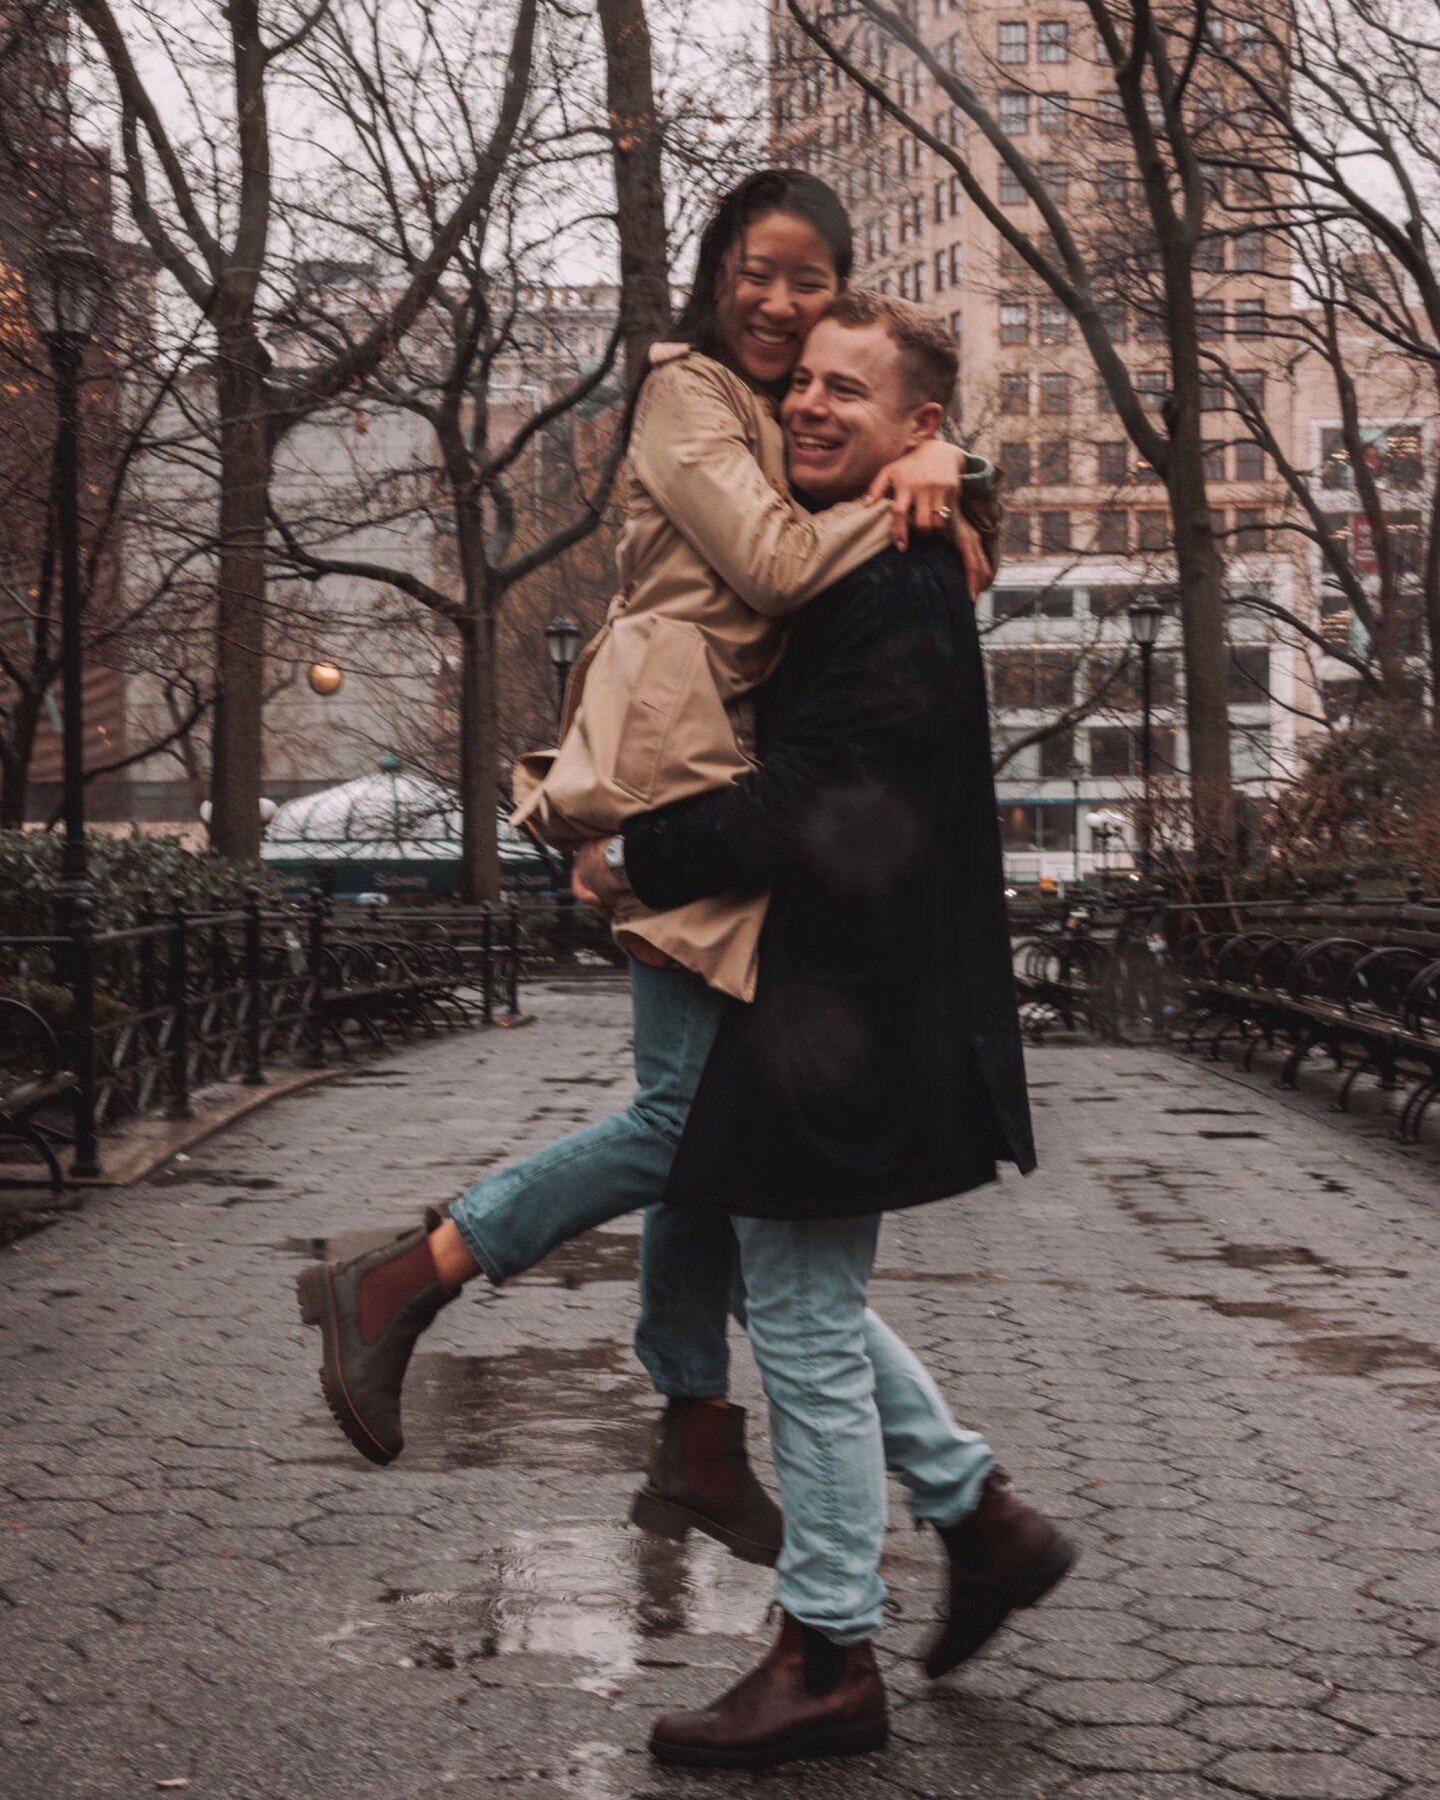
(788, 191)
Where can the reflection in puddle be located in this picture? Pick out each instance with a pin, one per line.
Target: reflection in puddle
(582, 1409)
(602, 1593)
(597, 1256)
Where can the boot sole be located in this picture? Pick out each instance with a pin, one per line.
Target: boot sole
(1045, 1576)
(831, 1740)
(317, 1307)
(667, 1519)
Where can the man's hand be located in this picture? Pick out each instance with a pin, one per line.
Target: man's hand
(971, 546)
(592, 881)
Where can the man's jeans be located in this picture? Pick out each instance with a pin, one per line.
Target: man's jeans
(825, 1407)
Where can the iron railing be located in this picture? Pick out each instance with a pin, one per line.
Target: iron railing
(148, 1013)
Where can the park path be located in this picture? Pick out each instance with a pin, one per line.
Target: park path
(1207, 1333)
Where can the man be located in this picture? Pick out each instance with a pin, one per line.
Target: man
(879, 1066)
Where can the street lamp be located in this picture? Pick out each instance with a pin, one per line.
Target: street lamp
(325, 678)
(1146, 616)
(1106, 826)
(64, 289)
(562, 640)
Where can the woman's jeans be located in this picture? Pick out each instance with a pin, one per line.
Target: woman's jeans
(839, 1382)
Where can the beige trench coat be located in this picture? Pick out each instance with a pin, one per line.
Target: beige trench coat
(714, 553)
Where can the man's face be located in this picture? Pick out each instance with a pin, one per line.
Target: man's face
(848, 413)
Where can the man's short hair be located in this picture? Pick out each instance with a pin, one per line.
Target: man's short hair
(927, 351)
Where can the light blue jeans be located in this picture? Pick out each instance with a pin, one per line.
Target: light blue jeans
(845, 1394)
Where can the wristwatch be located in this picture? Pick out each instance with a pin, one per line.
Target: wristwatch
(614, 855)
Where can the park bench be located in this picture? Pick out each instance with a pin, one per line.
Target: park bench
(1358, 982)
(33, 1079)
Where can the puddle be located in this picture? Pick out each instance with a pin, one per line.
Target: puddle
(1328, 1183)
(598, 1256)
(347, 1243)
(1231, 1134)
(600, 1592)
(171, 1176)
(582, 1410)
(1280, 1256)
(1094, 1099)
(1367, 1355)
(1209, 1112)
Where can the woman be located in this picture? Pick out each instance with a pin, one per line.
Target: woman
(714, 553)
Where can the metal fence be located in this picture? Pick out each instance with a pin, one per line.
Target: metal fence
(134, 1020)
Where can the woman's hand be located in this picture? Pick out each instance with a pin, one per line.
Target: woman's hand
(968, 541)
(923, 486)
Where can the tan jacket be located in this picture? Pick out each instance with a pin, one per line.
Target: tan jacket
(714, 553)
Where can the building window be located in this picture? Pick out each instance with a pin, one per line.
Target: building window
(1010, 190)
(1113, 318)
(1251, 383)
(1014, 112)
(1015, 461)
(1249, 461)
(1031, 680)
(1054, 462)
(1050, 110)
(1152, 529)
(1057, 759)
(1054, 323)
(1014, 322)
(1055, 178)
(1054, 533)
(1249, 530)
(1210, 254)
(1016, 534)
(940, 187)
(1054, 394)
(1014, 393)
(1053, 39)
(1112, 463)
(956, 327)
(1249, 256)
(1112, 535)
(940, 266)
(957, 263)
(1249, 318)
(1014, 41)
(1248, 676)
(1210, 318)
(1212, 457)
(919, 278)
(1012, 263)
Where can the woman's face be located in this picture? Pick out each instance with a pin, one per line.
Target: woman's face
(777, 284)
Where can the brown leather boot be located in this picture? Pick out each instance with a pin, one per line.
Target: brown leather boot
(701, 1480)
(371, 1309)
(1004, 1555)
(809, 1697)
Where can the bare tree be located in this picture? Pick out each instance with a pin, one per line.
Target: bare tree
(1142, 121)
(204, 200)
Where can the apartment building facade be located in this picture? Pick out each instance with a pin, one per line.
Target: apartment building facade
(1089, 530)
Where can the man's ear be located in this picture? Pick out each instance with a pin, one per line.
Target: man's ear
(925, 421)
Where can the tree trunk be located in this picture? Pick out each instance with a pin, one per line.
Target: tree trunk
(237, 755)
(639, 179)
(15, 763)
(1201, 573)
(479, 757)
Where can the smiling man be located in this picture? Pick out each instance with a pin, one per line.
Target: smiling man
(880, 1064)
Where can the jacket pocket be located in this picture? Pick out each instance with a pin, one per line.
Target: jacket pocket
(672, 679)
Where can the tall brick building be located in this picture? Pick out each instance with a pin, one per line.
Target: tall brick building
(1089, 530)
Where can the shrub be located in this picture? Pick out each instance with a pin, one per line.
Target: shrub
(121, 871)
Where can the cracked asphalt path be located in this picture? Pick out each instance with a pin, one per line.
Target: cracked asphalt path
(1205, 1334)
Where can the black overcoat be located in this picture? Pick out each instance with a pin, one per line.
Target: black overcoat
(880, 1064)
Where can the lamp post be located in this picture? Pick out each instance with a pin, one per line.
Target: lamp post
(65, 288)
(562, 640)
(1146, 616)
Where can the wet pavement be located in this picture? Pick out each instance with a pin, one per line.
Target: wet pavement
(1207, 1335)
